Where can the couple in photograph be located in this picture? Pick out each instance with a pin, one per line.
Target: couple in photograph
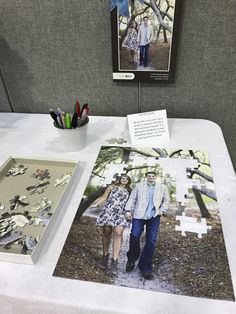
(138, 41)
(143, 206)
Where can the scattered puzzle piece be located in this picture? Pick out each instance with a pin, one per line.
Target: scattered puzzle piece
(116, 140)
(11, 238)
(191, 224)
(1, 206)
(40, 206)
(41, 174)
(42, 220)
(38, 188)
(30, 242)
(64, 179)
(18, 200)
(20, 220)
(7, 229)
(16, 170)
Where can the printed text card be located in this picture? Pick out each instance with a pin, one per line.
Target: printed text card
(148, 128)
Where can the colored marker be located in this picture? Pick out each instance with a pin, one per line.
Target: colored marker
(59, 120)
(74, 121)
(68, 121)
(54, 116)
(77, 108)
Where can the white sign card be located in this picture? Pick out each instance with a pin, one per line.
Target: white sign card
(148, 128)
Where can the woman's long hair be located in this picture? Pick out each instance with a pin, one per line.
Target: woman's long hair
(127, 186)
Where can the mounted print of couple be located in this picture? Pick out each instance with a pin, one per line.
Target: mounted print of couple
(144, 39)
(149, 219)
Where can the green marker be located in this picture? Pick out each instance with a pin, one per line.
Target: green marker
(68, 121)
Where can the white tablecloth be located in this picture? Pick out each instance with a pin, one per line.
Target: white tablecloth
(33, 289)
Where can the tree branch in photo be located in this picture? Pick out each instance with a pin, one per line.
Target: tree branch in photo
(130, 168)
(87, 201)
(191, 172)
(177, 152)
(204, 211)
(159, 15)
(161, 152)
(210, 193)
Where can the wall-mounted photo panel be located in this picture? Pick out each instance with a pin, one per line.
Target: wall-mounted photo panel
(144, 39)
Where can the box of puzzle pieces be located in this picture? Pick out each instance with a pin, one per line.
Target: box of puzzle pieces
(32, 192)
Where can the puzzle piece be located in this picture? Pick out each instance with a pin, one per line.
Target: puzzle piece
(40, 206)
(45, 218)
(1, 206)
(42, 220)
(38, 188)
(7, 229)
(16, 170)
(64, 179)
(18, 200)
(20, 220)
(41, 174)
(30, 242)
(116, 140)
(191, 224)
(4, 223)
(11, 238)
(110, 171)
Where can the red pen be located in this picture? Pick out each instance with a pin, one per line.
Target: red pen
(77, 108)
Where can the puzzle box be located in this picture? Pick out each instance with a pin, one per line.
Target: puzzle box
(32, 192)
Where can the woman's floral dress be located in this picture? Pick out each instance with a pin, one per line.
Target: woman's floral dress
(132, 39)
(112, 214)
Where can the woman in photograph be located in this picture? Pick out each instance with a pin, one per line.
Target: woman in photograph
(131, 42)
(112, 218)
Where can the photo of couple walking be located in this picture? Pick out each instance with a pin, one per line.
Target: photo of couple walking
(149, 219)
(145, 35)
(137, 41)
(143, 207)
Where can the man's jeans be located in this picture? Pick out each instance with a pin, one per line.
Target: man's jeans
(144, 55)
(152, 226)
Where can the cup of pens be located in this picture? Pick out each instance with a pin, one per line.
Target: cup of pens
(66, 120)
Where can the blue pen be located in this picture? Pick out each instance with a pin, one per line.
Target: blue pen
(59, 120)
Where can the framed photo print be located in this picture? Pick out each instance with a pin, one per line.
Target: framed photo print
(144, 39)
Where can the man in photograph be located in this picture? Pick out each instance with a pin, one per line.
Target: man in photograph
(144, 38)
(147, 202)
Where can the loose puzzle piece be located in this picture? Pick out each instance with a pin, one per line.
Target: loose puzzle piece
(116, 140)
(42, 206)
(1, 206)
(18, 200)
(191, 224)
(20, 220)
(38, 188)
(41, 174)
(7, 229)
(64, 179)
(42, 220)
(30, 242)
(10, 238)
(10, 223)
(110, 171)
(16, 170)
(4, 223)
